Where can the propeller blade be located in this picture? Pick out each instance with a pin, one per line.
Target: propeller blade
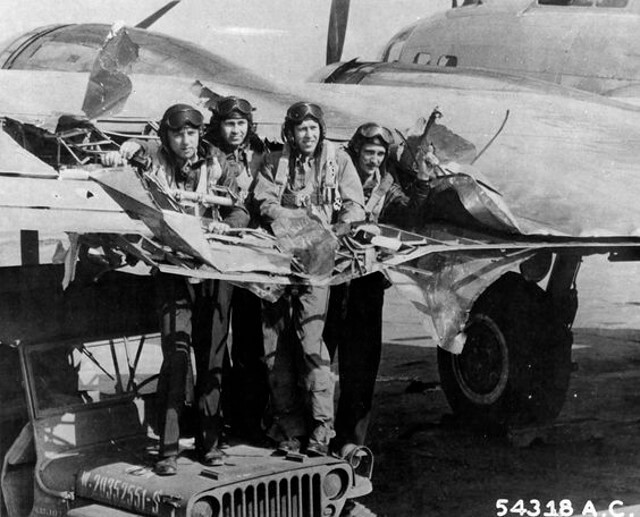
(153, 18)
(337, 29)
(109, 85)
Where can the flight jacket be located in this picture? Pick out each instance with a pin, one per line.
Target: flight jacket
(327, 185)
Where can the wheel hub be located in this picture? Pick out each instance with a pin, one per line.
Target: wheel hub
(482, 369)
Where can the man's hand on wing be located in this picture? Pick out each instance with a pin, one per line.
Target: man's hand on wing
(127, 151)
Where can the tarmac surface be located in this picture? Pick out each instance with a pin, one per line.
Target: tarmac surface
(588, 462)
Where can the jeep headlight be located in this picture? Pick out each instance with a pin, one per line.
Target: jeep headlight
(360, 458)
(206, 507)
(334, 484)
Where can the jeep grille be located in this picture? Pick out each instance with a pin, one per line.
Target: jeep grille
(297, 496)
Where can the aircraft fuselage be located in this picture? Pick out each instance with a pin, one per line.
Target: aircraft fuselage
(589, 47)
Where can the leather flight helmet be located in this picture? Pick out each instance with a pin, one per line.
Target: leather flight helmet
(298, 113)
(233, 107)
(370, 133)
(176, 117)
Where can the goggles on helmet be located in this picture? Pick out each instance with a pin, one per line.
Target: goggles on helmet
(301, 110)
(181, 116)
(371, 131)
(228, 105)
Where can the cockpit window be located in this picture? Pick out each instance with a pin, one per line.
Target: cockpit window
(73, 48)
(394, 51)
(611, 3)
(394, 48)
(447, 61)
(422, 58)
(68, 57)
(585, 3)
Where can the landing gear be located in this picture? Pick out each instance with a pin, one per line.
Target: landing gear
(515, 366)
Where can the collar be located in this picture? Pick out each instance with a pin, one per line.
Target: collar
(317, 154)
(183, 164)
(191, 165)
(239, 153)
(305, 160)
(230, 150)
(372, 180)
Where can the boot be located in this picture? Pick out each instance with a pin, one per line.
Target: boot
(166, 466)
(319, 440)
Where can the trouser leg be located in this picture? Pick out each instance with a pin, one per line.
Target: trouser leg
(246, 390)
(174, 372)
(309, 313)
(359, 358)
(335, 323)
(282, 358)
(211, 329)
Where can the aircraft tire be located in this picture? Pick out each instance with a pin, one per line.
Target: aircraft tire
(516, 363)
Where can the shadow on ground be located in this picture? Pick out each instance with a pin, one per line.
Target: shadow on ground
(428, 464)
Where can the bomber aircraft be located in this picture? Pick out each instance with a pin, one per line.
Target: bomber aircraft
(531, 179)
(585, 44)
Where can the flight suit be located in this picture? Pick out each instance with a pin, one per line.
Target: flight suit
(354, 320)
(193, 314)
(246, 392)
(295, 350)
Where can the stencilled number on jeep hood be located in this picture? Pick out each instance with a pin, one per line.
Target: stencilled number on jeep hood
(119, 493)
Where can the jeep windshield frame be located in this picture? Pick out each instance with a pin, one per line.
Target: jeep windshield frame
(70, 375)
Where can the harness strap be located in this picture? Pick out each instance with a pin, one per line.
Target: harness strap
(207, 176)
(242, 171)
(330, 166)
(375, 203)
(282, 172)
(203, 181)
(317, 191)
(329, 188)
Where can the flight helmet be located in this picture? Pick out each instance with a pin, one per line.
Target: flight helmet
(298, 113)
(176, 117)
(370, 133)
(231, 107)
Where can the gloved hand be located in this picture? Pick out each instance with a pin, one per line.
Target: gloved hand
(341, 229)
(365, 232)
(126, 152)
(218, 227)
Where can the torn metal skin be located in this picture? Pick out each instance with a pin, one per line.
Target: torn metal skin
(442, 269)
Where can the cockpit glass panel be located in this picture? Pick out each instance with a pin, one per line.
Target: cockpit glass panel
(448, 61)
(422, 58)
(394, 51)
(71, 54)
(566, 3)
(68, 57)
(73, 48)
(585, 3)
(394, 48)
(612, 3)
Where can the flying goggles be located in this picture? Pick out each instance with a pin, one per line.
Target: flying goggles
(228, 105)
(180, 116)
(371, 131)
(301, 110)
